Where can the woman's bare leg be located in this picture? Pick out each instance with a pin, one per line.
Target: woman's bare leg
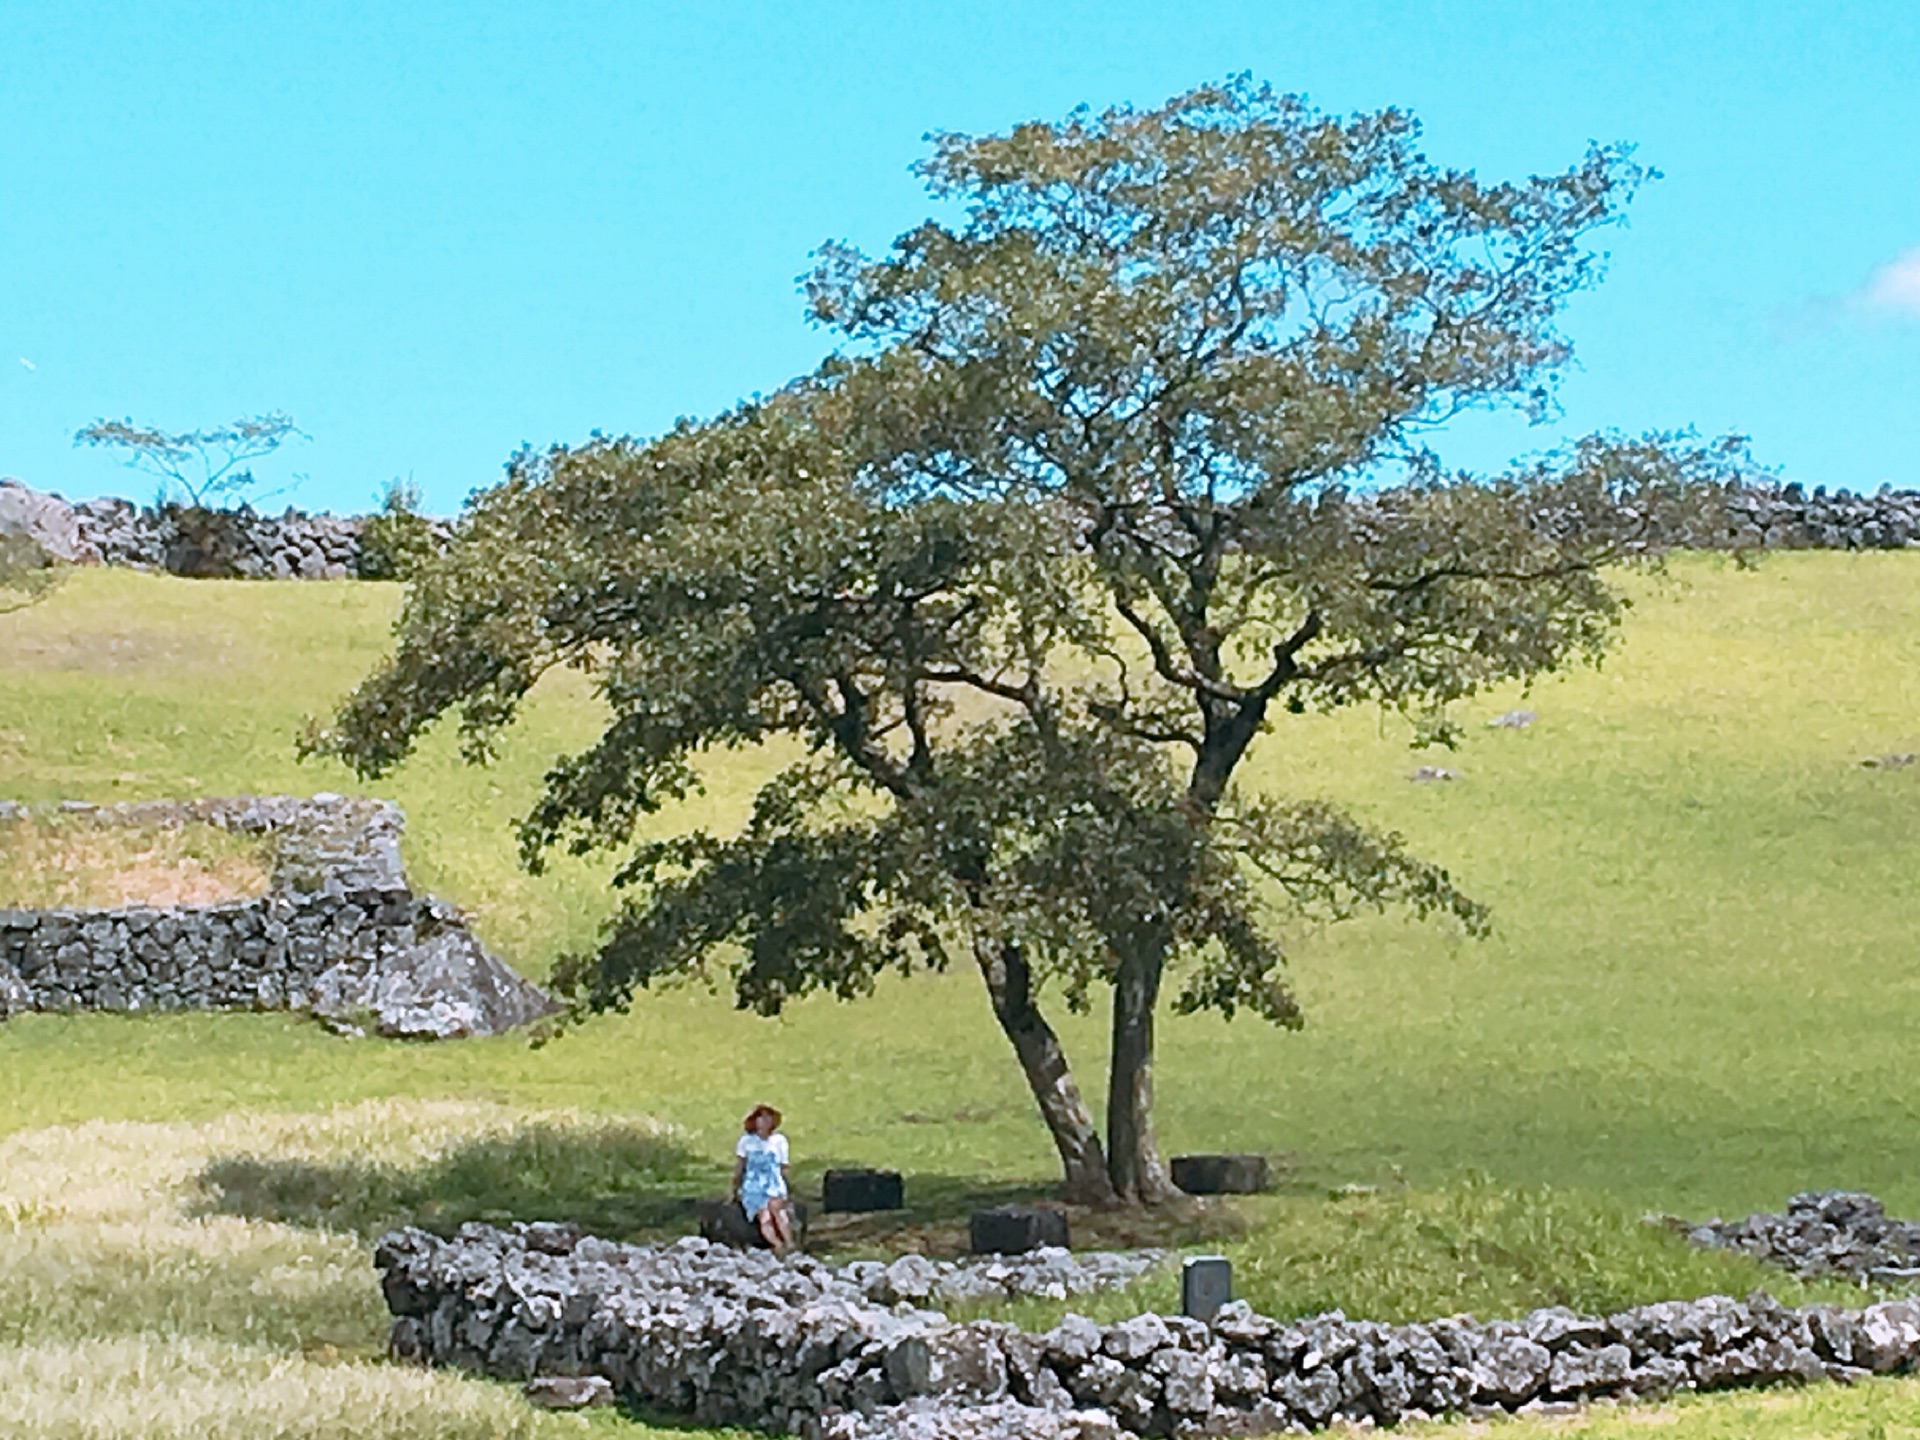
(775, 1225)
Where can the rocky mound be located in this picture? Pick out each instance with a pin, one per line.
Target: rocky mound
(1824, 1233)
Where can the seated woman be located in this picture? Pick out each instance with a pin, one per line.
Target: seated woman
(760, 1176)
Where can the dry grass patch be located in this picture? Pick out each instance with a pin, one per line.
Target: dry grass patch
(128, 1310)
(120, 651)
(144, 1388)
(80, 863)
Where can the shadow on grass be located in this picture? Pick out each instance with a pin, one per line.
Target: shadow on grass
(632, 1183)
(938, 1207)
(624, 1183)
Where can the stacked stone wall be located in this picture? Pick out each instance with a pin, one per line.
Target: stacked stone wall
(247, 544)
(797, 1347)
(339, 932)
(238, 544)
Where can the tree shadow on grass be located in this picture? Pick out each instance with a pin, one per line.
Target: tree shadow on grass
(620, 1182)
(634, 1183)
(938, 1207)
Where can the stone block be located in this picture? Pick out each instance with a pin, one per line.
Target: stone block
(1220, 1174)
(569, 1392)
(1206, 1283)
(862, 1190)
(1016, 1229)
(725, 1223)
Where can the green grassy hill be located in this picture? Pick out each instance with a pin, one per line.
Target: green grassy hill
(1699, 998)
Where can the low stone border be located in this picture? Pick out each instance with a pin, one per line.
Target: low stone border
(731, 1338)
(239, 543)
(1825, 1233)
(1050, 1273)
(296, 545)
(338, 933)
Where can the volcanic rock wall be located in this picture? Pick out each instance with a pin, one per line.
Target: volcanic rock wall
(338, 933)
(294, 545)
(732, 1338)
(240, 543)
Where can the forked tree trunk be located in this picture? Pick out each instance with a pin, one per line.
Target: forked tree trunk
(1133, 1158)
(1010, 986)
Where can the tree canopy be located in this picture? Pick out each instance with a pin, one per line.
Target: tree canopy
(1033, 558)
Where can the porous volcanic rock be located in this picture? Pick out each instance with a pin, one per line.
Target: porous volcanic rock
(1824, 1233)
(444, 987)
(730, 1337)
(45, 519)
(339, 933)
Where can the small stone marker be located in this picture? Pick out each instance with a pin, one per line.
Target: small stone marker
(1016, 1229)
(862, 1190)
(1206, 1283)
(569, 1392)
(1513, 720)
(1220, 1174)
(1427, 774)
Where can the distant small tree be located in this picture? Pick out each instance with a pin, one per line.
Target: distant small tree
(205, 465)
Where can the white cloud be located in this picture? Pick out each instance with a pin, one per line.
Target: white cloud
(1895, 286)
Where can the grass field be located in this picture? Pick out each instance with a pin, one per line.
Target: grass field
(1700, 997)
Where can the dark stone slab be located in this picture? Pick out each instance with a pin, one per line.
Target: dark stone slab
(1206, 1283)
(861, 1190)
(1220, 1174)
(1016, 1229)
(725, 1223)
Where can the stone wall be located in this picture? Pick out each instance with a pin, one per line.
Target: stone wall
(338, 933)
(240, 543)
(1787, 517)
(232, 544)
(726, 1337)
(295, 545)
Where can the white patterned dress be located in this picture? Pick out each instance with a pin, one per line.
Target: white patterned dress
(763, 1180)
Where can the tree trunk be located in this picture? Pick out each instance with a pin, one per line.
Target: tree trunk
(1010, 987)
(1133, 1158)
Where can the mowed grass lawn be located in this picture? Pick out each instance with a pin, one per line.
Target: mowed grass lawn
(1701, 996)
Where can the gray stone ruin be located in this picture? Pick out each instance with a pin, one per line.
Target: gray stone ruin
(339, 933)
(240, 543)
(294, 545)
(1824, 1234)
(726, 1337)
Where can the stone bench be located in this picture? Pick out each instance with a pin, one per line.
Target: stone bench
(725, 1223)
(1220, 1174)
(857, 1191)
(1016, 1229)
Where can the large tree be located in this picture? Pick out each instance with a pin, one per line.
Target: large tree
(1190, 327)
(1029, 563)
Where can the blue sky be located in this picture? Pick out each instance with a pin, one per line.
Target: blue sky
(432, 231)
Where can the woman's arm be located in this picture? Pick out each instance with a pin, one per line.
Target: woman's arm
(739, 1173)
